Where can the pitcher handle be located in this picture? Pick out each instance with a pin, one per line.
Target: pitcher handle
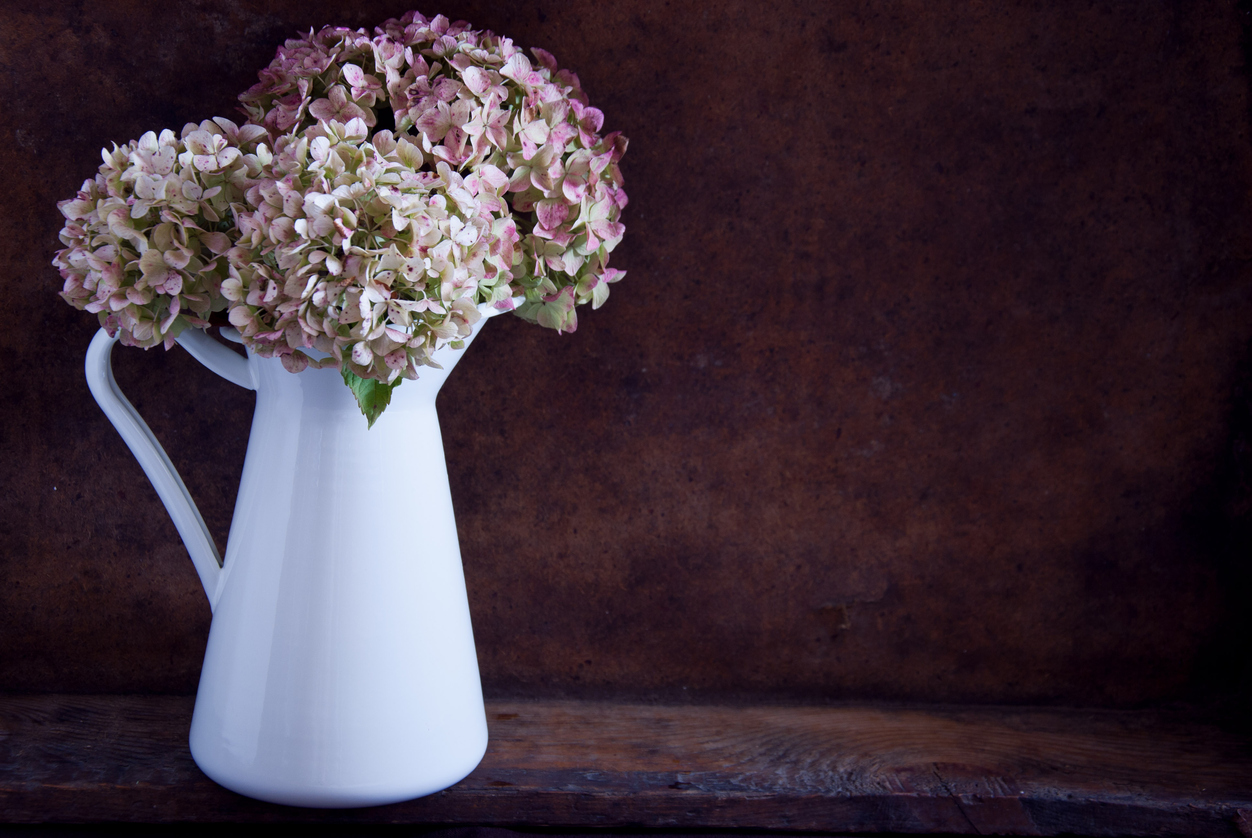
(151, 456)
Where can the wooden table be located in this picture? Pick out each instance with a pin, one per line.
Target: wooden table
(111, 758)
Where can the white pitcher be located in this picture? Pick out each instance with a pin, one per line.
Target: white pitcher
(340, 668)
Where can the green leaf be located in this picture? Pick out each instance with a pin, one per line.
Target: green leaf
(371, 396)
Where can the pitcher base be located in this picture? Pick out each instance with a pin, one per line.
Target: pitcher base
(284, 791)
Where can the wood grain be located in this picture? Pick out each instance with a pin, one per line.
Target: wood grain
(570, 764)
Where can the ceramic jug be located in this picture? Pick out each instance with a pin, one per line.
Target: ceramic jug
(340, 667)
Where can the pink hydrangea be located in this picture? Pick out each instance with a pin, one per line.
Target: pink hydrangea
(384, 187)
(354, 248)
(473, 99)
(144, 240)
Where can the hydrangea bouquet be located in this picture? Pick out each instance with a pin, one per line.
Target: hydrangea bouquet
(383, 187)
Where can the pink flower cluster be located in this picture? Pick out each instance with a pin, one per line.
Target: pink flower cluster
(365, 255)
(144, 240)
(383, 188)
(474, 99)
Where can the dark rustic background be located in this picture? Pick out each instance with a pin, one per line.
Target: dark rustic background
(928, 381)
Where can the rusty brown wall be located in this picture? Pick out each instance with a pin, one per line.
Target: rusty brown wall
(923, 384)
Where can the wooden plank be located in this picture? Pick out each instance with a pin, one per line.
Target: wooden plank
(572, 764)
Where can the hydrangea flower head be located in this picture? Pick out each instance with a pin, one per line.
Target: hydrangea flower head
(145, 238)
(352, 248)
(473, 99)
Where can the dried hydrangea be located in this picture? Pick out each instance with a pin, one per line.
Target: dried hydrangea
(484, 179)
(144, 240)
(473, 99)
(354, 248)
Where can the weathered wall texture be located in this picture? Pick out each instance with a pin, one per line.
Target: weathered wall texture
(923, 384)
